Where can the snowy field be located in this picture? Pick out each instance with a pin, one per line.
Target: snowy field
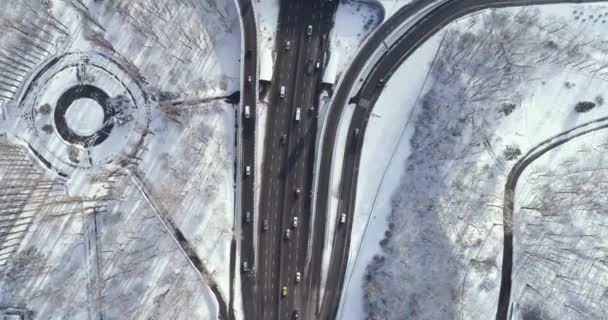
(391, 6)
(267, 18)
(145, 138)
(355, 20)
(502, 82)
(560, 206)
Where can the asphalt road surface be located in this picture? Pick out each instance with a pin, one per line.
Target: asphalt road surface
(365, 100)
(249, 96)
(287, 164)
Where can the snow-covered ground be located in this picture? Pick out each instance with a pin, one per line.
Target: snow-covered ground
(561, 223)
(81, 259)
(355, 20)
(166, 67)
(503, 81)
(267, 18)
(391, 6)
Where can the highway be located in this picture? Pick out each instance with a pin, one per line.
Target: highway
(288, 162)
(246, 202)
(249, 97)
(365, 99)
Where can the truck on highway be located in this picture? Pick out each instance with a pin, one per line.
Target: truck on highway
(244, 266)
(343, 218)
(287, 234)
(247, 112)
(265, 225)
(284, 292)
(297, 114)
(287, 45)
(282, 92)
(298, 277)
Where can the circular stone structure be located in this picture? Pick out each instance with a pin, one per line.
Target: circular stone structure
(77, 116)
(98, 110)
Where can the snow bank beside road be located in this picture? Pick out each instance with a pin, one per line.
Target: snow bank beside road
(391, 6)
(267, 17)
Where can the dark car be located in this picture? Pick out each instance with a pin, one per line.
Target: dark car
(247, 217)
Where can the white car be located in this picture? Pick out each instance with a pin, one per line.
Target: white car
(343, 218)
(294, 223)
(298, 277)
(247, 112)
(247, 170)
(287, 234)
(309, 30)
(297, 118)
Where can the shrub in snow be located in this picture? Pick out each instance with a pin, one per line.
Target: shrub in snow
(507, 108)
(511, 152)
(167, 95)
(584, 106)
(599, 100)
(73, 154)
(551, 45)
(47, 128)
(383, 243)
(569, 84)
(45, 109)
(531, 313)
(29, 261)
(119, 102)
